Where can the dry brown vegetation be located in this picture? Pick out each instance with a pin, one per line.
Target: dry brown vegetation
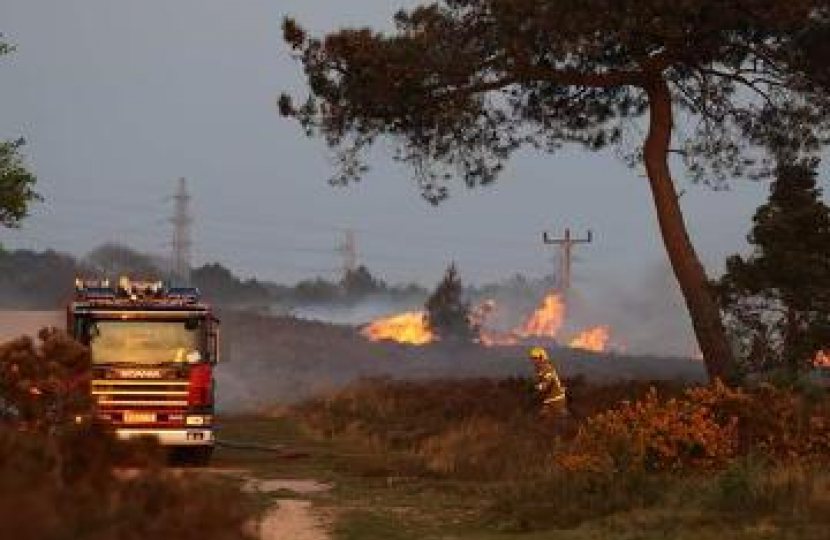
(58, 470)
(717, 453)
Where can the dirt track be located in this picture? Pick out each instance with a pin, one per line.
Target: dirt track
(290, 518)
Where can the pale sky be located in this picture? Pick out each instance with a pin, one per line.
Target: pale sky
(119, 98)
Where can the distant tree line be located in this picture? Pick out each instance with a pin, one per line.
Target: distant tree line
(44, 280)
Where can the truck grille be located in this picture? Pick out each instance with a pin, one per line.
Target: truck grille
(109, 393)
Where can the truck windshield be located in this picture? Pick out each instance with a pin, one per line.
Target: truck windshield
(145, 342)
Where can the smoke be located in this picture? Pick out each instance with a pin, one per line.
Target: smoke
(370, 308)
(647, 316)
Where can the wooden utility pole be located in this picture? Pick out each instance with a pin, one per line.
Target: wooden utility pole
(566, 245)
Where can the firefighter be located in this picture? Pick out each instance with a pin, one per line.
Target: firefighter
(550, 389)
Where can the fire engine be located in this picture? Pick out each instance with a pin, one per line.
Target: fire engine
(153, 349)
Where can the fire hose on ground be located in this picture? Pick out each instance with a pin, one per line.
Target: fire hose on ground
(279, 449)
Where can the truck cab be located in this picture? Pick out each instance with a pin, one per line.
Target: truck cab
(153, 349)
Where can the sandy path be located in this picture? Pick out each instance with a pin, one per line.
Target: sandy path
(290, 518)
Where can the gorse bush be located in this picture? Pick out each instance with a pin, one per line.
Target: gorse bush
(705, 428)
(655, 434)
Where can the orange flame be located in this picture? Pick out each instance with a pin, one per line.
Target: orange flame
(822, 359)
(545, 320)
(409, 327)
(592, 339)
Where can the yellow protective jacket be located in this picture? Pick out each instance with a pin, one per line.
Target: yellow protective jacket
(548, 384)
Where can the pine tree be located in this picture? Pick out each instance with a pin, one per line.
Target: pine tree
(447, 314)
(777, 300)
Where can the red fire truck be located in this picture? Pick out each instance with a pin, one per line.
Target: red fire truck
(153, 349)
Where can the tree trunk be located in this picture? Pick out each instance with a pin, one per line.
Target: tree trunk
(791, 335)
(703, 310)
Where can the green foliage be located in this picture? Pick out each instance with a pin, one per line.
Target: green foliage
(16, 183)
(16, 193)
(447, 314)
(778, 298)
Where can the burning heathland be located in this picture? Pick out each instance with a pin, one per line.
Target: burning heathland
(544, 324)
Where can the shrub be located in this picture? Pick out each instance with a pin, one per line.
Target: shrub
(44, 385)
(653, 434)
(705, 428)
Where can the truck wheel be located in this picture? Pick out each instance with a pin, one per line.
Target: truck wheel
(191, 456)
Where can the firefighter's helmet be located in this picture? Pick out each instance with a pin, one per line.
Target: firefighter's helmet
(538, 353)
